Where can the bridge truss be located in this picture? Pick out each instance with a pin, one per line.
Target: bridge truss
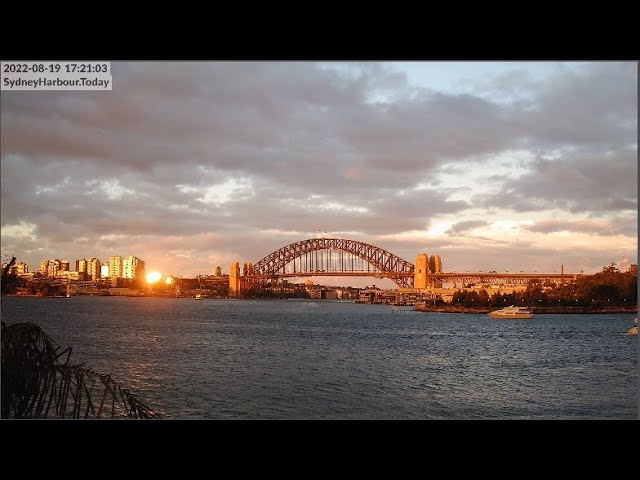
(343, 257)
(332, 257)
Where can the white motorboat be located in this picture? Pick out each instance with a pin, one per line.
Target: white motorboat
(519, 313)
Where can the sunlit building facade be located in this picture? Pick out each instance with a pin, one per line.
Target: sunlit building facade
(44, 267)
(53, 267)
(81, 266)
(115, 267)
(132, 267)
(94, 266)
(21, 268)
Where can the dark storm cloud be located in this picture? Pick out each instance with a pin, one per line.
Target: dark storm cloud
(308, 146)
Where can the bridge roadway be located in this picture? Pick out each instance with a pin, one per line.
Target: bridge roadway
(444, 277)
(325, 257)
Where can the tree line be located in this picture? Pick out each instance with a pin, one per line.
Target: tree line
(608, 288)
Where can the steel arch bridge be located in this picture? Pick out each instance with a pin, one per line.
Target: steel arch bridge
(331, 257)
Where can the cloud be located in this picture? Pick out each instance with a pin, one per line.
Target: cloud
(582, 226)
(596, 182)
(204, 158)
(466, 226)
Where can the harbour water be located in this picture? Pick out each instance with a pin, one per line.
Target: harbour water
(323, 359)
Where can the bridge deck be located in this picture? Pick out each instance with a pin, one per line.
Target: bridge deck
(435, 276)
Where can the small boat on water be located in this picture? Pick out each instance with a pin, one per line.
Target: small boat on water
(511, 312)
(201, 296)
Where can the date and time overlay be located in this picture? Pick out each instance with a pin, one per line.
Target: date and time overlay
(55, 76)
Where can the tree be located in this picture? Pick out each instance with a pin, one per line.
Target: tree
(9, 281)
(483, 297)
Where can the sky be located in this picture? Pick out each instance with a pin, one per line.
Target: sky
(188, 165)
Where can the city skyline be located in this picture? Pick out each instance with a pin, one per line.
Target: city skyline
(492, 166)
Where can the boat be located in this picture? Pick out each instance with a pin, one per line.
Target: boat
(511, 312)
(200, 296)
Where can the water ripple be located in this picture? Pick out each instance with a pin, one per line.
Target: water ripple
(297, 359)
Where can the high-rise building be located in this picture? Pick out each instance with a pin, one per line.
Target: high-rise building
(21, 268)
(53, 267)
(115, 267)
(81, 266)
(44, 267)
(64, 265)
(104, 270)
(94, 266)
(217, 271)
(132, 267)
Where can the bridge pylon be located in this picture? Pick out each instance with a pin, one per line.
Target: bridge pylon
(235, 280)
(421, 272)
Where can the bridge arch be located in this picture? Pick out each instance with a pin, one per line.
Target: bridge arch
(384, 263)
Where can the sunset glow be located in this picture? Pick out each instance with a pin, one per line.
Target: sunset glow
(153, 277)
(492, 165)
(345, 239)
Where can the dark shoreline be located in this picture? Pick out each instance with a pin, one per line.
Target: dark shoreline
(429, 308)
(538, 310)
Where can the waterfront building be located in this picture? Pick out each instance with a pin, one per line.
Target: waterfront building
(72, 275)
(94, 269)
(81, 266)
(44, 267)
(21, 268)
(52, 267)
(132, 267)
(115, 267)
